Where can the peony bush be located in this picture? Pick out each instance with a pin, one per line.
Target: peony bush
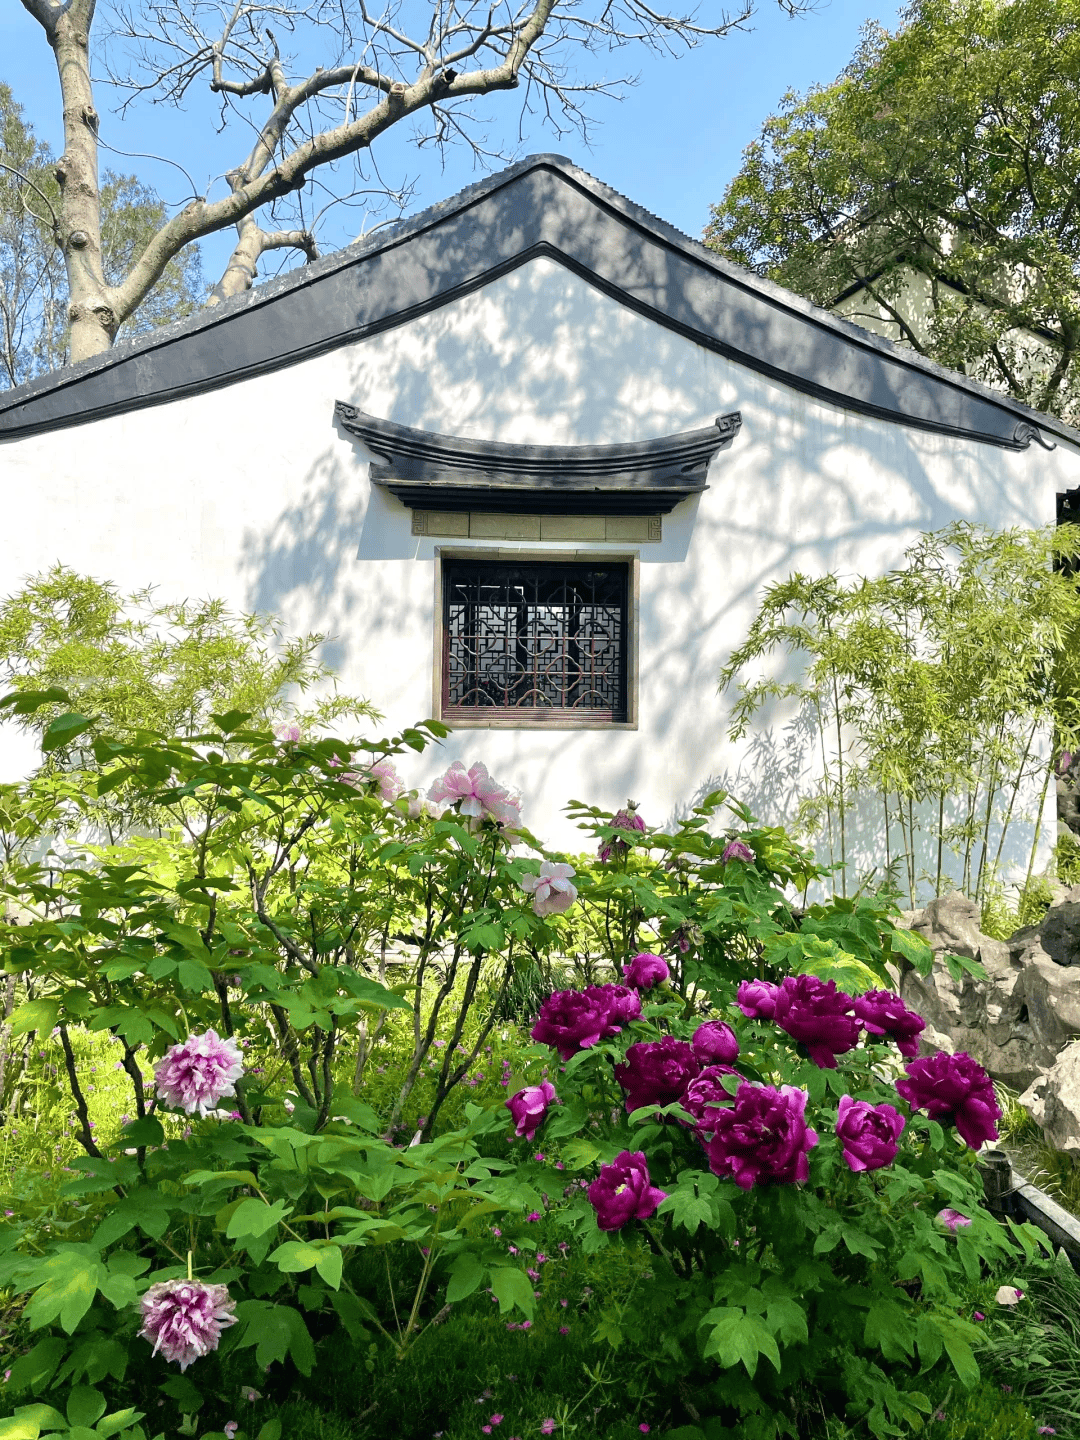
(732, 1090)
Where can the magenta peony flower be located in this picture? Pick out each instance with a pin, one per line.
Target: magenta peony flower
(621, 1003)
(704, 1093)
(571, 1021)
(757, 999)
(551, 890)
(954, 1090)
(952, 1219)
(714, 1043)
(763, 1136)
(883, 1013)
(623, 1191)
(529, 1107)
(814, 1012)
(645, 971)
(627, 819)
(184, 1318)
(656, 1072)
(738, 850)
(198, 1074)
(476, 794)
(869, 1135)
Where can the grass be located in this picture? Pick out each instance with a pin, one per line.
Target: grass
(1022, 1139)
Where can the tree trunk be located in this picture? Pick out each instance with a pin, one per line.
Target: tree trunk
(90, 309)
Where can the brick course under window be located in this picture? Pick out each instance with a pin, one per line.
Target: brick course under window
(539, 641)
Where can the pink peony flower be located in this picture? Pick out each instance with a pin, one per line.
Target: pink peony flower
(197, 1074)
(384, 774)
(184, 1318)
(869, 1135)
(627, 819)
(646, 970)
(883, 1013)
(952, 1219)
(762, 1136)
(476, 794)
(552, 892)
(529, 1107)
(704, 1093)
(715, 1043)
(287, 732)
(757, 999)
(738, 850)
(623, 1191)
(656, 1072)
(954, 1090)
(819, 1015)
(570, 1021)
(621, 1003)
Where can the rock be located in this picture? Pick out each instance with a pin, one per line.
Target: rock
(1017, 1020)
(1060, 929)
(1034, 1099)
(1061, 1103)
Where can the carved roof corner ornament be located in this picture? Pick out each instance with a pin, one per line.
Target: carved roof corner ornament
(428, 471)
(1024, 432)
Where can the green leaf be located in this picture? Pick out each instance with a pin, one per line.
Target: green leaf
(231, 720)
(513, 1287)
(737, 1336)
(37, 1015)
(85, 1405)
(146, 1131)
(253, 1218)
(913, 948)
(295, 1256)
(34, 1370)
(116, 1422)
(330, 1265)
(26, 702)
(64, 729)
(72, 1278)
(270, 1431)
(889, 1328)
(465, 1276)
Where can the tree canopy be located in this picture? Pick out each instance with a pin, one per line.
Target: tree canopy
(33, 285)
(932, 191)
(307, 87)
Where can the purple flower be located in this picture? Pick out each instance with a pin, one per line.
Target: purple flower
(883, 1013)
(738, 850)
(656, 1072)
(869, 1135)
(529, 1107)
(198, 1074)
(814, 1012)
(627, 819)
(623, 1191)
(954, 1090)
(571, 1021)
(952, 1219)
(184, 1318)
(646, 970)
(715, 1043)
(763, 1136)
(757, 999)
(552, 891)
(621, 1003)
(704, 1093)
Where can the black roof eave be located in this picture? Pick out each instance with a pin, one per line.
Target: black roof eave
(543, 206)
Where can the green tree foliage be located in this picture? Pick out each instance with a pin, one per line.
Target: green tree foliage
(934, 689)
(937, 180)
(33, 284)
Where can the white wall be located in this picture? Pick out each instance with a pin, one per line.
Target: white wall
(253, 494)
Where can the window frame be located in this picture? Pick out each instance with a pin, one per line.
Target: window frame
(534, 720)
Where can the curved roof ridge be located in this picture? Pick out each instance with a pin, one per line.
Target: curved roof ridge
(542, 205)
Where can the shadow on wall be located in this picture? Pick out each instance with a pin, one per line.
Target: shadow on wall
(539, 355)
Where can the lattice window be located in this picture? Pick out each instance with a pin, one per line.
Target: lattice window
(534, 642)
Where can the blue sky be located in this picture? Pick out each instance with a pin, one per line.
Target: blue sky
(672, 144)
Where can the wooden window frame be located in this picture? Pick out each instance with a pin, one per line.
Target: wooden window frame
(561, 720)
